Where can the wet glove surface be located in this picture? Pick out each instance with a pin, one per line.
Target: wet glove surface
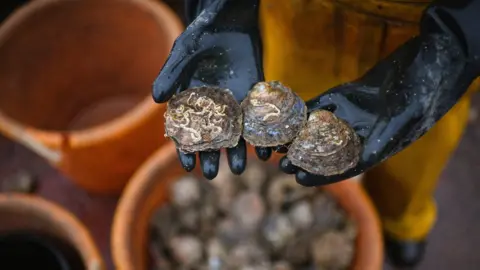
(390, 107)
(403, 96)
(221, 47)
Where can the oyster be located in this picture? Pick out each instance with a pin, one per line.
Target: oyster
(278, 230)
(298, 250)
(332, 250)
(284, 191)
(282, 265)
(248, 210)
(186, 191)
(326, 146)
(20, 181)
(272, 115)
(248, 253)
(230, 233)
(266, 221)
(301, 215)
(254, 176)
(203, 118)
(187, 250)
(225, 186)
(216, 254)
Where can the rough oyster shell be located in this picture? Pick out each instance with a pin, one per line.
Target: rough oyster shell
(326, 146)
(203, 118)
(186, 249)
(272, 114)
(332, 250)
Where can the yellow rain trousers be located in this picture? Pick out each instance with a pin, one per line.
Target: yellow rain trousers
(313, 45)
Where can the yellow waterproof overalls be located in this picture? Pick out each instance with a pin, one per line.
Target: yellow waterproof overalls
(313, 45)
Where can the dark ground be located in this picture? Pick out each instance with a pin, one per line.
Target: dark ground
(453, 243)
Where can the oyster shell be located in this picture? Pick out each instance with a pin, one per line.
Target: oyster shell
(284, 191)
(254, 176)
(248, 210)
(203, 118)
(326, 146)
(245, 254)
(187, 250)
(273, 114)
(281, 265)
(278, 230)
(301, 215)
(20, 181)
(298, 250)
(186, 191)
(216, 254)
(332, 250)
(230, 233)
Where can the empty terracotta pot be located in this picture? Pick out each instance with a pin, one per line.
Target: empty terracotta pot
(76, 82)
(54, 237)
(147, 190)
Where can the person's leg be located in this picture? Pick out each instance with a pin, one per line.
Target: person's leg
(313, 45)
(402, 187)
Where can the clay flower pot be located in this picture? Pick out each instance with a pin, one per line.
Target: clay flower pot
(147, 190)
(76, 82)
(25, 219)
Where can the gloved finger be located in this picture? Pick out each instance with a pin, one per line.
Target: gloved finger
(263, 153)
(311, 180)
(169, 79)
(282, 149)
(287, 167)
(188, 160)
(237, 157)
(209, 162)
(185, 48)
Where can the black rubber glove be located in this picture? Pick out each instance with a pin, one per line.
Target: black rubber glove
(403, 96)
(221, 47)
(8, 6)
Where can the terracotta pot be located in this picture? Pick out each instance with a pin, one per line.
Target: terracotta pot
(35, 215)
(76, 82)
(146, 191)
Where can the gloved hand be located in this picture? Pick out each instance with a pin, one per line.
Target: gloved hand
(403, 96)
(221, 47)
(390, 107)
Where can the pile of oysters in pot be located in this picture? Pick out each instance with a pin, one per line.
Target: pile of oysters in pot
(260, 220)
(209, 118)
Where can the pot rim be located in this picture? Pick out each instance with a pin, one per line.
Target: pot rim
(78, 235)
(131, 198)
(172, 27)
(352, 195)
(354, 200)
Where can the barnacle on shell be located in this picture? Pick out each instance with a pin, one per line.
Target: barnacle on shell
(272, 114)
(325, 146)
(203, 118)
